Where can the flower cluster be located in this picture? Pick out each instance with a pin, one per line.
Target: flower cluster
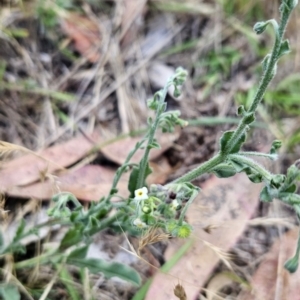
(162, 207)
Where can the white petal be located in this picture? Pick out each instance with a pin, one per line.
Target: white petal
(141, 194)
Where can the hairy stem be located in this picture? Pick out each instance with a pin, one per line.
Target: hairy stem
(252, 164)
(243, 124)
(187, 205)
(202, 169)
(264, 82)
(153, 128)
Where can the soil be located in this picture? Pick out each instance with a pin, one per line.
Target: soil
(53, 89)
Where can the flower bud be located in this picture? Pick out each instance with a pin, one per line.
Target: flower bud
(241, 110)
(184, 231)
(260, 27)
(180, 76)
(292, 264)
(146, 209)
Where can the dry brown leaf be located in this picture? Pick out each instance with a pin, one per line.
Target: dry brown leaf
(85, 33)
(227, 202)
(131, 19)
(88, 183)
(30, 176)
(118, 151)
(271, 280)
(30, 168)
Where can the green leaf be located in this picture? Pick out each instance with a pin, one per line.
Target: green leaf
(152, 103)
(239, 167)
(72, 237)
(265, 195)
(20, 231)
(1, 241)
(226, 137)
(249, 118)
(75, 215)
(103, 211)
(275, 146)
(255, 177)
(113, 191)
(297, 207)
(133, 179)
(292, 199)
(224, 171)
(109, 269)
(277, 180)
(80, 252)
(135, 176)
(148, 171)
(3, 65)
(291, 189)
(292, 173)
(154, 145)
(149, 121)
(9, 292)
(292, 264)
(284, 48)
(93, 223)
(241, 110)
(67, 279)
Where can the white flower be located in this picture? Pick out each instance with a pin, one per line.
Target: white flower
(174, 204)
(138, 223)
(141, 194)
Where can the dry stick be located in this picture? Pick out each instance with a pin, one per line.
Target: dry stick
(133, 17)
(112, 88)
(106, 39)
(124, 104)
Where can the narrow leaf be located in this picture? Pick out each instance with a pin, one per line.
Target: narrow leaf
(20, 231)
(226, 137)
(284, 48)
(224, 171)
(239, 167)
(133, 179)
(265, 195)
(9, 292)
(1, 241)
(255, 177)
(291, 189)
(109, 269)
(79, 252)
(72, 237)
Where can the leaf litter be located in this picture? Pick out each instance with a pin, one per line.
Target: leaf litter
(142, 39)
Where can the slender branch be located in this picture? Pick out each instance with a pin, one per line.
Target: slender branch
(252, 164)
(264, 82)
(187, 205)
(202, 169)
(153, 128)
(243, 124)
(254, 153)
